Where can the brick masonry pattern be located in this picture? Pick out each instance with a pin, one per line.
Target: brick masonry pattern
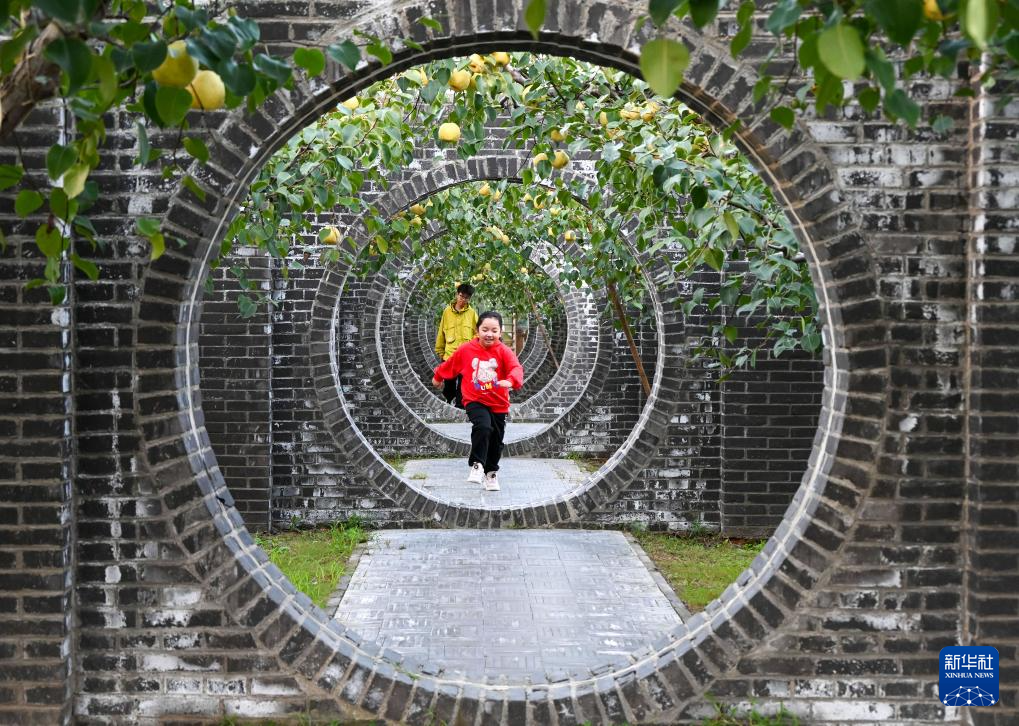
(900, 541)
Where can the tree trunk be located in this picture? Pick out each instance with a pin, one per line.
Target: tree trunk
(621, 316)
(544, 331)
(33, 79)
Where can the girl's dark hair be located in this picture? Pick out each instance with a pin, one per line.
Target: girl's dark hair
(490, 314)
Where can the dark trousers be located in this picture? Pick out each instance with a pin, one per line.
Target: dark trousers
(487, 429)
(451, 391)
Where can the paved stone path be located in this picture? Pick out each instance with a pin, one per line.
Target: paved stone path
(514, 431)
(523, 481)
(507, 604)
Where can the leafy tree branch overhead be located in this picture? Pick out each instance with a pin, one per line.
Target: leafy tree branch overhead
(168, 61)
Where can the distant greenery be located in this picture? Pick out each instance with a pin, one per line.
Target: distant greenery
(698, 568)
(314, 561)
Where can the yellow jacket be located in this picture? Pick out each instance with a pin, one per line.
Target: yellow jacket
(455, 329)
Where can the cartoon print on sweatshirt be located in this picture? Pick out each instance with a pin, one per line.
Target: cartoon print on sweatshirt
(485, 373)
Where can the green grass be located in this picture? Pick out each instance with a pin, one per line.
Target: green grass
(315, 560)
(698, 568)
(728, 716)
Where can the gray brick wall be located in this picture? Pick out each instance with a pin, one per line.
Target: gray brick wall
(899, 541)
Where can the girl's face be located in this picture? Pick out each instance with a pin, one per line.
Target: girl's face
(489, 331)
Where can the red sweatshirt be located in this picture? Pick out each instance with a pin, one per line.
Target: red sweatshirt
(481, 367)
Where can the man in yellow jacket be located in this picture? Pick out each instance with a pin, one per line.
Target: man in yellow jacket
(458, 324)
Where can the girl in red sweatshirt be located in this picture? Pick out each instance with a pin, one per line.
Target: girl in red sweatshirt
(489, 369)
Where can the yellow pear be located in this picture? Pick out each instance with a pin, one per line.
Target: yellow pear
(603, 118)
(629, 114)
(557, 135)
(419, 75)
(649, 111)
(459, 79)
(496, 195)
(207, 91)
(560, 160)
(416, 221)
(539, 158)
(450, 132)
(178, 68)
(570, 235)
(332, 236)
(476, 63)
(485, 190)
(351, 103)
(580, 106)
(931, 10)
(501, 58)
(417, 209)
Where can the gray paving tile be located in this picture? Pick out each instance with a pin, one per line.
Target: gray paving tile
(523, 481)
(502, 604)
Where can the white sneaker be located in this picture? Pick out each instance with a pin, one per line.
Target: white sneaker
(492, 482)
(477, 474)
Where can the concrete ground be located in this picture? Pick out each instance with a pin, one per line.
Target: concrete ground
(507, 605)
(522, 481)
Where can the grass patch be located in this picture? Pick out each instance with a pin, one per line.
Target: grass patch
(728, 716)
(587, 464)
(314, 560)
(698, 568)
(397, 462)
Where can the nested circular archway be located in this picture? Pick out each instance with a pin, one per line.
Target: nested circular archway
(331, 663)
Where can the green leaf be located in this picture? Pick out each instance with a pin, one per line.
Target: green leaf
(730, 332)
(74, 180)
(901, 106)
(662, 62)
(172, 104)
(146, 154)
(147, 226)
(61, 206)
(312, 60)
(74, 59)
(703, 12)
(380, 51)
(699, 196)
(811, 342)
(900, 19)
(59, 159)
(714, 258)
(534, 16)
(245, 30)
(86, 266)
(246, 306)
(346, 53)
(239, 78)
(881, 68)
(785, 14)
(660, 10)
(28, 201)
(148, 56)
(979, 18)
(431, 23)
(841, 51)
(869, 99)
(71, 12)
(49, 241)
(731, 224)
(158, 244)
(10, 175)
(783, 116)
(276, 69)
(742, 39)
(193, 186)
(197, 148)
(942, 124)
(106, 77)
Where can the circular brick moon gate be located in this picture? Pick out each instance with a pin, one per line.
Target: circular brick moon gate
(330, 664)
(564, 399)
(409, 358)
